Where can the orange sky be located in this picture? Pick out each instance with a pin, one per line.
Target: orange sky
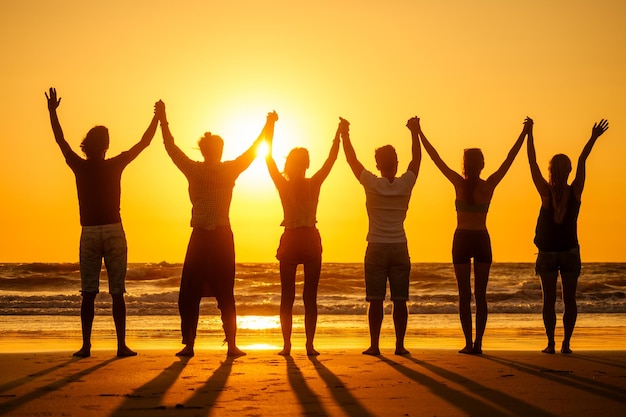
(471, 70)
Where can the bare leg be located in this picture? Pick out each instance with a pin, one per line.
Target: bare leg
(287, 297)
(548, 287)
(375, 315)
(119, 318)
(570, 312)
(400, 318)
(87, 312)
(229, 322)
(463, 272)
(481, 278)
(312, 273)
(189, 310)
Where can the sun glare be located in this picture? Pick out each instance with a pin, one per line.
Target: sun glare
(258, 322)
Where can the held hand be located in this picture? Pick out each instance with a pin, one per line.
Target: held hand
(413, 124)
(528, 124)
(53, 102)
(599, 128)
(272, 117)
(159, 111)
(344, 126)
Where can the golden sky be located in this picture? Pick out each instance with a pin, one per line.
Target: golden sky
(472, 71)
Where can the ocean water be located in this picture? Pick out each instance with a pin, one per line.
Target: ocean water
(43, 300)
(152, 289)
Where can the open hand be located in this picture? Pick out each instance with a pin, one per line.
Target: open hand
(599, 128)
(53, 102)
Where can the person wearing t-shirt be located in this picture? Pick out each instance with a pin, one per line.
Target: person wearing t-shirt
(387, 255)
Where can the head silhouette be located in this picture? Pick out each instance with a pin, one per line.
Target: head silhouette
(473, 163)
(211, 146)
(96, 143)
(386, 159)
(296, 163)
(559, 168)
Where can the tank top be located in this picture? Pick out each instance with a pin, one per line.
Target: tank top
(553, 237)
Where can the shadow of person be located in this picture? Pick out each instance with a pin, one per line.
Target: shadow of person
(206, 396)
(342, 395)
(151, 393)
(308, 400)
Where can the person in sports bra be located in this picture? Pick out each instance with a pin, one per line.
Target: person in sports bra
(471, 239)
(556, 234)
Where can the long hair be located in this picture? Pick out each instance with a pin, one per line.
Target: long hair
(96, 141)
(473, 164)
(297, 161)
(559, 169)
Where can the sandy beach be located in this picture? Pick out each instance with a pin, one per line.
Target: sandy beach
(339, 382)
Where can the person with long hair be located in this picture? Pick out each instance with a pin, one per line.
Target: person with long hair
(471, 238)
(556, 235)
(300, 242)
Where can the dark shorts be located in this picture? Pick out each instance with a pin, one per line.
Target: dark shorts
(468, 244)
(209, 268)
(300, 245)
(387, 261)
(550, 263)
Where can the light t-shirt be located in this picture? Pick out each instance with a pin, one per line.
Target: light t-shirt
(387, 204)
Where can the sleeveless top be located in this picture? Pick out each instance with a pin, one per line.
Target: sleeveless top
(553, 237)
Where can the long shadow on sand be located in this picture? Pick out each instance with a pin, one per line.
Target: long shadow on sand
(339, 391)
(29, 378)
(602, 361)
(494, 402)
(308, 400)
(153, 390)
(53, 386)
(565, 377)
(206, 396)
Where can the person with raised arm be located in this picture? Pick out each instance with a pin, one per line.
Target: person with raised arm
(471, 238)
(98, 182)
(301, 242)
(387, 255)
(209, 266)
(556, 234)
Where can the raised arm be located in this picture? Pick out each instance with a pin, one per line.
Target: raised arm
(495, 178)
(146, 139)
(348, 149)
(178, 156)
(269, 159)
(332, 156)
(450, 174)
(540, 182)
(53, 104)
(244, 160)
(581, 171)
(416, 149)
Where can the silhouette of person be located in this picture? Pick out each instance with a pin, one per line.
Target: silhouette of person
(209, 266)
(471, 238)
(300, 242)
(98, 185)
(387, 255)
(556, 234)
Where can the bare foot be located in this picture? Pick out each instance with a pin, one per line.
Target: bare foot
(401, 351)
(477, 349)
(187, 352)
(372, 351)
(312, 352)
(124, 352)
(549, 349)
(565, 348)
(285, 352)
(84, 352)
(235, 352)
(468, 350)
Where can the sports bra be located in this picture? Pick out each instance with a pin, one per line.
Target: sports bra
(471, 208)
